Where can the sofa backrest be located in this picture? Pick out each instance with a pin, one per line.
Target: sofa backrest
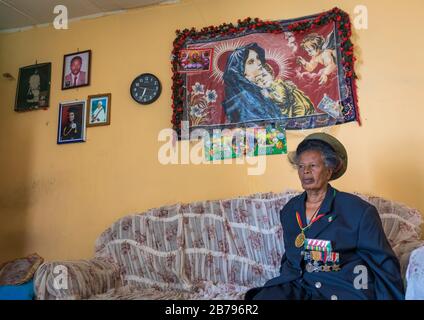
(237, 241)
(402, 226)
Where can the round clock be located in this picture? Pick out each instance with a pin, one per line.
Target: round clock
(146, 88)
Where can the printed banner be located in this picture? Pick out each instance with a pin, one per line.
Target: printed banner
(195, 60)
(253, 141)
(298, 73)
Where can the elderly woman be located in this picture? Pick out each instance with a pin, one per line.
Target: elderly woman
(335, 246)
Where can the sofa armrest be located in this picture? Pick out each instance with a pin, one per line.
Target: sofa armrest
(69, 280)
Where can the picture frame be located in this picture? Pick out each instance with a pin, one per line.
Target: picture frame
(33, 89)
(71, 123)
(98, 110)
(76, 70)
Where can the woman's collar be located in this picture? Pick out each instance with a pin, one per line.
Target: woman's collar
(326, 203)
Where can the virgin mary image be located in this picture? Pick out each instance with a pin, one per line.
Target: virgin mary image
(252, 93)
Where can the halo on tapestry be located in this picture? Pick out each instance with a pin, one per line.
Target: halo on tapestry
(298, 73)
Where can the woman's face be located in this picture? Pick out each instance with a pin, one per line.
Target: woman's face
(313, 173)
(71, 116)
(253, 66)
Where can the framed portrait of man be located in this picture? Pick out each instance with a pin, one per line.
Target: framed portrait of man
(33, 90)
(98, 110)
(76, 70)
(71, 125)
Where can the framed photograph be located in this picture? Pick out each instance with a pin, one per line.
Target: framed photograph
(98, 111)
(33, 91)
(76, 70)
(71, 126)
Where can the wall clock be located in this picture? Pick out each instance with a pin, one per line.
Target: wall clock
(146, 88)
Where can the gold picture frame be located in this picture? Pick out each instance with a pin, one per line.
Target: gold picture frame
(98, 110)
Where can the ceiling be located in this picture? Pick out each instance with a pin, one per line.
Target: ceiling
(15, 14)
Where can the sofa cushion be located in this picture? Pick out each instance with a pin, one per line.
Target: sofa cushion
(80, 279)
(175, 247)
(20, 270)
(206, 290)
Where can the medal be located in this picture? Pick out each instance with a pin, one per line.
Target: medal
(318, 245)
(300, 240)
(336, 267)
(316, 256)
(309, 267)
(326, 268)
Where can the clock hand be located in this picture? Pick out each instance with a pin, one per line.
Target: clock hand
(144, 91)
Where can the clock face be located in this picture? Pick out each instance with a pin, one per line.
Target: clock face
(146, 88)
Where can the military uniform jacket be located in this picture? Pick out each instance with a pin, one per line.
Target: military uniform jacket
(355, 230)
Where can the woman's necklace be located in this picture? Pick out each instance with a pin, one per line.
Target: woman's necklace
(73, 127)
(300, 239)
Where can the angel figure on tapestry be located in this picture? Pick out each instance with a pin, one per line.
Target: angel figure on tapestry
(322, 53)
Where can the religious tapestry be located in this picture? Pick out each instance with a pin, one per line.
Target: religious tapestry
(296, 73)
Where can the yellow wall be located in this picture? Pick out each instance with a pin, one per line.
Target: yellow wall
(55, 200)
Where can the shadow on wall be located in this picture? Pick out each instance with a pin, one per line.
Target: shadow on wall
(358, 55)
(15, 188)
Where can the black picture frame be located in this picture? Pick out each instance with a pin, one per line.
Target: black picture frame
(68, 79)
(71, 129)
(33, 88)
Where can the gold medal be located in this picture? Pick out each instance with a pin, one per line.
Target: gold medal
(300, 240)
(316, 255)
(326, 268)
(336, 267)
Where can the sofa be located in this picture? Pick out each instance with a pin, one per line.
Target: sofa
(214, 249)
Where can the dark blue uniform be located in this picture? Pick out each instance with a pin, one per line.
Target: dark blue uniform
(354, 228)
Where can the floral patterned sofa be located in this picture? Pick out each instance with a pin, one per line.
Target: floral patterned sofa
(202, 250)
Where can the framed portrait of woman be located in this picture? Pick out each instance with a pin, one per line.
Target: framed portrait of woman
(98, 110)
(71, 124)
(76, 70)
